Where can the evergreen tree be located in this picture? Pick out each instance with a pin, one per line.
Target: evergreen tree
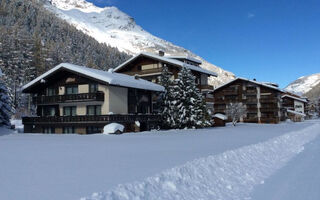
(168, 111)
(184, 106)
(192, 109)
(5, 105)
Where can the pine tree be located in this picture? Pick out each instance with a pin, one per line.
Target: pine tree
(185, 104)
(168, 110)
(5, 105)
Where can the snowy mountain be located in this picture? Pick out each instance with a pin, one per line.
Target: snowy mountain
(304, 84)
(111, 26)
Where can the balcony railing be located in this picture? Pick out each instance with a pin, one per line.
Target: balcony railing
(206, 87)
(92, 119)
(98, 96)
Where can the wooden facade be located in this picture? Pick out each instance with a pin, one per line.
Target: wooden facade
(150, 68)
(263, 102)
(71, 102)
(294, 103)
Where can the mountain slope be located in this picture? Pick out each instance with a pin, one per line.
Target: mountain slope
(111, 26)
(304, 84)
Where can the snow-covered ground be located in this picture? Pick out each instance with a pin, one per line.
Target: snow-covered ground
(226, 162)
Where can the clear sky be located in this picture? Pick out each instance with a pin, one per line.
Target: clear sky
(270, 40)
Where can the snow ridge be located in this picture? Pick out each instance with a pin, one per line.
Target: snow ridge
(111, 26)
(304, 84)
(230, 175)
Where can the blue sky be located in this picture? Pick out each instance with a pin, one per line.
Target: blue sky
(270, 40)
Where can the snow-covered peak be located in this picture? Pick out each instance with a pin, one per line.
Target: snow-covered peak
(82, 5)
(304, 84)
(111, 26)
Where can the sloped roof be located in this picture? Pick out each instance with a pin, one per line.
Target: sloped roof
(244, 79)
(109, 77)
(168, 60)
(296, 113)
(186, 58)
(293, 97)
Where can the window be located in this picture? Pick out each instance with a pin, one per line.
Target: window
(48, 130)
(94, 110)
(68, 130)
(70, 111)
(52, 111)
(93, 87)
(51, 92)
(93, 129)
(72, 89)
(149, 66)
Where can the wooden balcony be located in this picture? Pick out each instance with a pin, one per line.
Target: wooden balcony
(230, 92)
(209, 100)
(270, 109)
(268, 100)
(145, 72)
(95, 119)
(206, 87)
(98, 96)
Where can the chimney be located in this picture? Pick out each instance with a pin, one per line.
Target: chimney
(161, 53)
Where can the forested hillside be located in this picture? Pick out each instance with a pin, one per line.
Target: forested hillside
(33, 40)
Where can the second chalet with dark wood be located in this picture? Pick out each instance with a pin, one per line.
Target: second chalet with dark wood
(149, 67)
(75, 99)
(262, 100)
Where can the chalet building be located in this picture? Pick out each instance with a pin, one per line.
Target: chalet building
(75, 99)
(149, 67)
(262, 100)
(294, 107)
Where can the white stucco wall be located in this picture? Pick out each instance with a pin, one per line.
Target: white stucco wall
(298, 106)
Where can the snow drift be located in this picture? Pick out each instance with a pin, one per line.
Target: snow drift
(230, 175)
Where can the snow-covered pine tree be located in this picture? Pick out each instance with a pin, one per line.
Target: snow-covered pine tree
(5, 105)
(192, 110)
(168, 110)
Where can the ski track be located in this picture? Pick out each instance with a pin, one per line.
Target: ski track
(230, 175)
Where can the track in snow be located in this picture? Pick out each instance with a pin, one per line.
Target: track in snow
(230, 175)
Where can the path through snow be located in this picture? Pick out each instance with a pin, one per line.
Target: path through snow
(230, 175)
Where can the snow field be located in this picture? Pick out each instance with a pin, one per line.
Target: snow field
(230, 175)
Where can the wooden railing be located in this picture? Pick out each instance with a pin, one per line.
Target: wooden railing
(205, 87)
(92, 119)
(98, 96)
(145, 72)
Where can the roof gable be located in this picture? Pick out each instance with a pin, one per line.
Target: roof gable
(251, 81)
(168, 61)
(108, 77)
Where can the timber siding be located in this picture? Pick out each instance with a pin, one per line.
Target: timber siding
(71, 102)
(263, 103)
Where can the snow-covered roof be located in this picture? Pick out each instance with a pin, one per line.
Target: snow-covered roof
(296, 113)
(109, 77)
(185, 58)
(295, 98)
(220, 116)
(168, 60)
(255, 82)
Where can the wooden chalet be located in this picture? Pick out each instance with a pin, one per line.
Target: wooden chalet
(262, 100)
(294, 107)
(149, 67)
(75, 99)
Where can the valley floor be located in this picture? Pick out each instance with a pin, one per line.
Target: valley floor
(216, 163)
